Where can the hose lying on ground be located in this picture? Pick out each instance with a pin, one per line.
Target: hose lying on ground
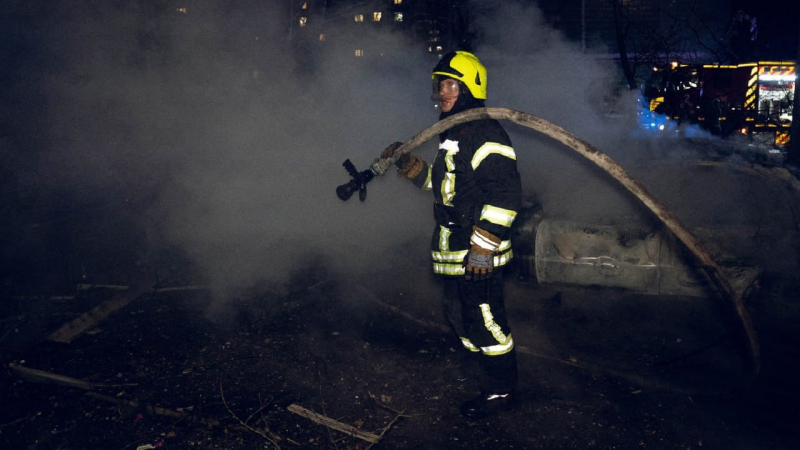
(736, 299)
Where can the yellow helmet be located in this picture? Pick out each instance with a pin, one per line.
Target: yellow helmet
(464, 67)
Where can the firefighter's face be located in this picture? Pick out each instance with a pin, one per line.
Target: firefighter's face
(448, 94)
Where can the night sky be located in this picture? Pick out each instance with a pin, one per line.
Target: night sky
(778, 23)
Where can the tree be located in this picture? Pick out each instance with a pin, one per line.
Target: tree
(652, 32)
(622, 28)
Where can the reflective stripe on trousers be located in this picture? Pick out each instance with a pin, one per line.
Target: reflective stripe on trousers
(476, 310)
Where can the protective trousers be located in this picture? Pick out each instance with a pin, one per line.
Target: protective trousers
(476, 310)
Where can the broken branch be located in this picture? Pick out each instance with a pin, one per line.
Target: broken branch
(40, 376)
(334, 424)
(398, 415)
(89, 319)
(266, 434)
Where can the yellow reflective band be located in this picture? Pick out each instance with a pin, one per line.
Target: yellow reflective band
(444, 239)
(505, 343)
(469, 345)
(447, 262)
(505, 245)
(448, 188)
(449, 257)
(451, 149)
(428, 185)
(448, 269)
(500, 259)
(489, 148)
(482, 241)
(503, 258)
(498, 216)
(448, 160)
(500, 349)
(491, 325)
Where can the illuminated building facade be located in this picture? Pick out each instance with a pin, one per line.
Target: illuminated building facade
(323, 25)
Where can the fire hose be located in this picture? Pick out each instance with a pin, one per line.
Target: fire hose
(717, 277)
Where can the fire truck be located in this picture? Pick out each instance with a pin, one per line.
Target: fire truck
(751, 98)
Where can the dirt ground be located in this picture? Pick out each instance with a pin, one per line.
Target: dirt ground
(599, 368)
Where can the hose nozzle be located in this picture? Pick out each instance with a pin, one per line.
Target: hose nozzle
(358, 183)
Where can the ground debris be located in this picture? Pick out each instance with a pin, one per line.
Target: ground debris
(334, 424)
(91, 318)
(286, 349)
(41, 376)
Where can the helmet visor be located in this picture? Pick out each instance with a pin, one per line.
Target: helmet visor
(444, 89)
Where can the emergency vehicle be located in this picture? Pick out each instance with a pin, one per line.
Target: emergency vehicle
(748, 98)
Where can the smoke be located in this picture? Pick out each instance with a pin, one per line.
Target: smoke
(736, 212)
(226, 145)
(223, 141)
(534, 69)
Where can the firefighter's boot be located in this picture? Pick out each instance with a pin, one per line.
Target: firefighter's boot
(486, 405)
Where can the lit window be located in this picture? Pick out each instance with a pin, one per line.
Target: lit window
(182, 10)
(438, 48)
(359, 17)
(376, 16)
(321, 37)
(303, 21)
(359, 52)
(305, 5)
(398, 2)
(398, 17)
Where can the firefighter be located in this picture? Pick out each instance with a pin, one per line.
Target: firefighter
(477, 193)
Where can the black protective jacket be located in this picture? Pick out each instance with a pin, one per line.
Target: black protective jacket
(475, 181)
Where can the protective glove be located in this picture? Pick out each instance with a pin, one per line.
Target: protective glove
(381, 164)
(480, 258)
(408, 166)
(388, 152)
